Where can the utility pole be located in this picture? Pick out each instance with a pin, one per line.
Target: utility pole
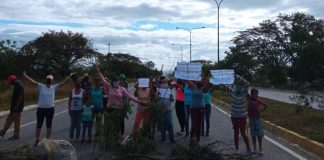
(108, 47)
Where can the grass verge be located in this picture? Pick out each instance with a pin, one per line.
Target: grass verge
(309, 123)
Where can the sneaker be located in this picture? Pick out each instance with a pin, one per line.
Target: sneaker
(36, 142)
(260, 152)
(237, 151)
(14, 137)
(254, 151)
(186, 135)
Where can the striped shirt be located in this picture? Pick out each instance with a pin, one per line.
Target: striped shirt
(238, 103)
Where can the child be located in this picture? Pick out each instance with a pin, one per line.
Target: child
(87, 118)
(254, 110)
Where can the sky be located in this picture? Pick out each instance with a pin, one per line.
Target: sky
(146, 28)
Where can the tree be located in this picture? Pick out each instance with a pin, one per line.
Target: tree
(131, 66)
(8, 58)
(56, 52)
(289, 46)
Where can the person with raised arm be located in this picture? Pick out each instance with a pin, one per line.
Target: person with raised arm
(238, 93)
(115, 96)
(46, 97)
(197, 107)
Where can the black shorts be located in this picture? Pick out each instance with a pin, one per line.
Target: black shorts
(43, 113)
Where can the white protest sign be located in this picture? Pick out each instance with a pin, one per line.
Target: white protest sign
(225, 76)
(143, 82)
(188, 71)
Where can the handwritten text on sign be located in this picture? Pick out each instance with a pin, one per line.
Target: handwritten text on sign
(225, 76)
(188, 71)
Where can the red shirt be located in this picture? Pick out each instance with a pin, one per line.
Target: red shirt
(179, 94)
(254, 107)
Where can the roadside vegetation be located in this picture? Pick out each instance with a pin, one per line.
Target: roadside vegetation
(308, 123)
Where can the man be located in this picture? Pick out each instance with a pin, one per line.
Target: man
(17, 106)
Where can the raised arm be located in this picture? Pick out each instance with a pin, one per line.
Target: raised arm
(245, 82)
(191, 84)
(61, 84)
(30, 80)
(102, 78)
(131, 97)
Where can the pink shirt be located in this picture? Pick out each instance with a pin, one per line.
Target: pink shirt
(180, 94)
(115, 95)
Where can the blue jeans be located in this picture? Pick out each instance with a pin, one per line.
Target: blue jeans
(166, 125)
(206, 118)
(87, 125)
(75, 123)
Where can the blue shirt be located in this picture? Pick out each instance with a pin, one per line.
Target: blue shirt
(187, 93)
(97, 98)
(207, 97)
(197, 98)
(87, 113)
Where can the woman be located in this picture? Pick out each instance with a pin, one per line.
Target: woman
(179, 105)
(197, 107)
(206, 117)
(187, 103)
(144, 94)
(46, 99)
(75, 108)
(115, 96)
(97, 100)
(238, 95)
(164, 93)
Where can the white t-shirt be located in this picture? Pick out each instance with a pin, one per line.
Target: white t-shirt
(46, 95)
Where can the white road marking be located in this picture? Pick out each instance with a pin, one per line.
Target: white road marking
(298, 156)
(33, 122)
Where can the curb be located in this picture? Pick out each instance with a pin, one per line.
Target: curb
(303, 142)
(30, 107)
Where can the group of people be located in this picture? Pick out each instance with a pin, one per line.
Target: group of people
(192, 106)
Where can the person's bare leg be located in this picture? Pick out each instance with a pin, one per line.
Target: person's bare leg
(260, 144)
(48, 133)
(254, 143)
(38, 130)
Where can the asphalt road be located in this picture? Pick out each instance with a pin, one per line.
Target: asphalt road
(274, 147)
(282, 96)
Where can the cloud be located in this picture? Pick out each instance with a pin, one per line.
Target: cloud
(146, 28)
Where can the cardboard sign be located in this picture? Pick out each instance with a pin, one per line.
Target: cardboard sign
(225, 76)
(188, 71)
(143, 82)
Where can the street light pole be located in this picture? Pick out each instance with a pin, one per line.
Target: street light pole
(218, 6)
(181, 47)
(190, 30)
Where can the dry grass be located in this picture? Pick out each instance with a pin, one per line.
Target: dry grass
(31, 95)
(309, 123)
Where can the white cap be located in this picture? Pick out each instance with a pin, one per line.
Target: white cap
(50, 77)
